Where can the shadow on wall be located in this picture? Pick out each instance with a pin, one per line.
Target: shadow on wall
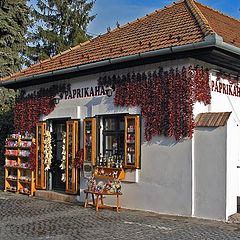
(94, 102)
(206, 129)
(167, 141)
(160, 140)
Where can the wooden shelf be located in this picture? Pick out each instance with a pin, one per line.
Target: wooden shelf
(25, 181)
(12, 147)
(24, 168)
(12, 180)
(10, 190)
(18, 169)
(8, 155)
(8, 166)
(109, 173)
(26, 193)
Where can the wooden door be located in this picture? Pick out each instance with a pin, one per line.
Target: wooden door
(72, 136)
(40, 168)
(132, 141)
(89, 140)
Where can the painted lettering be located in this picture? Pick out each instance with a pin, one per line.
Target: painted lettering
(78, 93)
(220, 87)
(70, 95)
(224, 89)
(213, 85)
(230, 90)
(86, 93)
(66, 95)
(74, 93)
(102, 91)
(91, 92)
(216, 87)
(235, 91)
(97, 90)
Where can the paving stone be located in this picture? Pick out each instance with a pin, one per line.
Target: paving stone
(29, 218)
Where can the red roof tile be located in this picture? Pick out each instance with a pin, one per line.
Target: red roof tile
(178, 24)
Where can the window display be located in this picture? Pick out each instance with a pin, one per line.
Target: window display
(118, 141)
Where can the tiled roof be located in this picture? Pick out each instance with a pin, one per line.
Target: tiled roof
(224, 26)
(216, 119)
(178, 24)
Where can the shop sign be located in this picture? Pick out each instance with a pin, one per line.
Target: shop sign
(85, 92)
(228, 88)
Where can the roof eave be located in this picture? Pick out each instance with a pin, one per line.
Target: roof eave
(212, 40)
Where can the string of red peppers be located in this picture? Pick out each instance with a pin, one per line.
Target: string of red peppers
(30, 107)
(166, 98)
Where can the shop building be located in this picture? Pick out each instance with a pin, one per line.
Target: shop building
(157, 100)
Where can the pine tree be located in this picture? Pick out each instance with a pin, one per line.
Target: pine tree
(60, 24)
(13, 27)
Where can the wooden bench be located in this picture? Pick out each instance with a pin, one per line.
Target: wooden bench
(99, 198)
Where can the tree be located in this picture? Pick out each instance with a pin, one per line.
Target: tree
(14, 22)
(7, 102)
(59, 25)
(13, 27)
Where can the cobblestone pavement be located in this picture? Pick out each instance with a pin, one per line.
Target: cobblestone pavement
(22, 217)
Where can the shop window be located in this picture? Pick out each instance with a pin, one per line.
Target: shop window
(118, 141)
(111, 150)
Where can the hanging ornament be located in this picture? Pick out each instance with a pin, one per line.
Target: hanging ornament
(47, 150)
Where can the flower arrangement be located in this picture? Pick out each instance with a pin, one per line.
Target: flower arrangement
(47, 150)
(112, 186)
(63, 161)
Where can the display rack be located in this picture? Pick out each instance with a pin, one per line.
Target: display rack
(19, 177)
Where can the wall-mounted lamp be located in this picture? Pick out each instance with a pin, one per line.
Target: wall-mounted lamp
(109, 90)
(56, 99)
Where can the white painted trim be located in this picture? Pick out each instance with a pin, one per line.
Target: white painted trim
(193, 175)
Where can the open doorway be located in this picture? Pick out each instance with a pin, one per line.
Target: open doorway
(58, 127)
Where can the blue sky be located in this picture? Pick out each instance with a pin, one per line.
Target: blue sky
(110, 11)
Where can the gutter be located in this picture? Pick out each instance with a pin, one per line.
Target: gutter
(210, 41)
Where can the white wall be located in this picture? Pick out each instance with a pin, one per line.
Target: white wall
(164, 182)
(232, 184)
(165, 179)
(210, 173)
